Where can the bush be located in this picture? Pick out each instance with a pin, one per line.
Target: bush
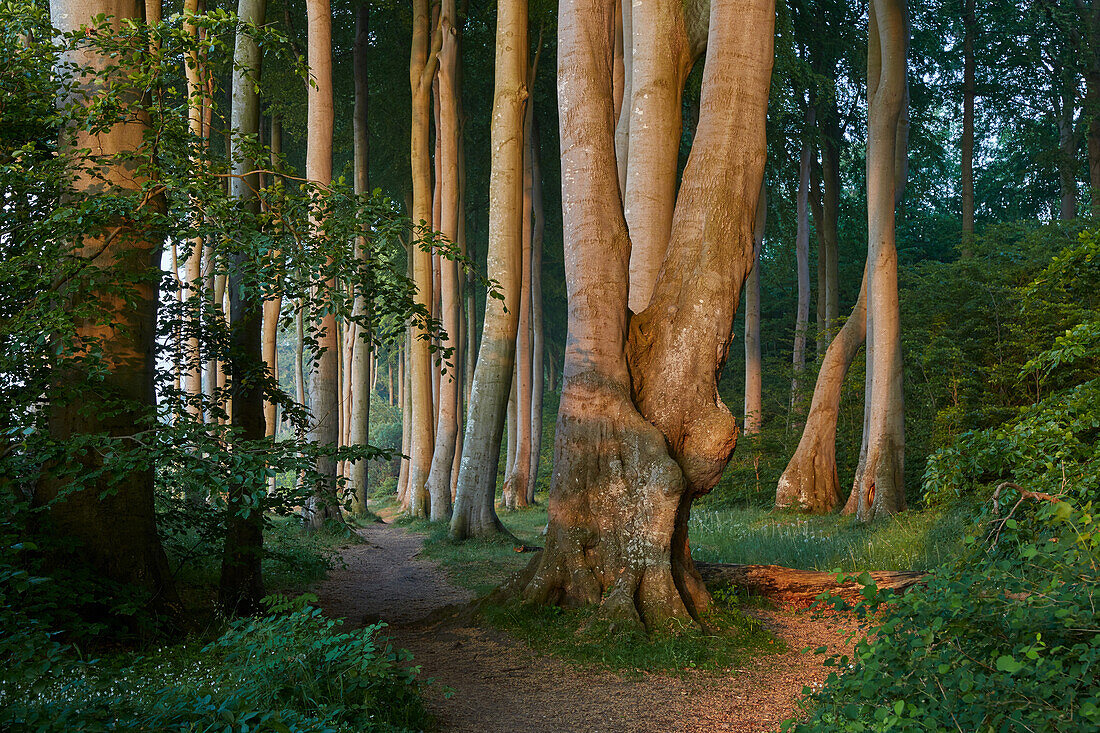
(292, 670)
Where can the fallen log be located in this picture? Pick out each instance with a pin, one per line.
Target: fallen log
(791, 587)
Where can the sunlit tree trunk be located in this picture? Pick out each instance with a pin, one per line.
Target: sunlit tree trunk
(447, 133)
(193, 270)
(110, 514)
(635, 445)
(879, 487)
(272, 308)
(754, 417)
(324, 385)
(422, 67)
(241, 577)
(362, 348)
(474, 513)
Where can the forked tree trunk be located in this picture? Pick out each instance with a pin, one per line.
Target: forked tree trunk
(447, 131)
(519, 473)
(110, 516)
(970, 28)
(802, 258)
(422, 68)
(879, 487)
(324, 385)
(538, 223)
(362, 347)
(241, 577)
(474, 513)
(754, 417)
(635, 445)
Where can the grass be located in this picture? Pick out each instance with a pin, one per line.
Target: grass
(913, 540)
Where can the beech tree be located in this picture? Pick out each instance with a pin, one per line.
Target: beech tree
(754, 417)
(474, 511)
(641, 430)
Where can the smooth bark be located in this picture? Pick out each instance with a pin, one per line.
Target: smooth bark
(802, 260)
(754, 380)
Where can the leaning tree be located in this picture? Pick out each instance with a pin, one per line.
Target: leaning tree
(641, 429)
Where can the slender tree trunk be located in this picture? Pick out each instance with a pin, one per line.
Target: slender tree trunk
(193, 270)
(474, 513)
(447, 133)
(109, 513)
(1067, 166)
(362, 347)
(754, 417)
(422, 68)
(830, 209)
(879, 488)
(324, 382)
(406, 425)
(817, 212)
(967, 145)
(272, 308)
(538, 225)
(517, 478)
(635, 445)
(242, 578)
(802, 257)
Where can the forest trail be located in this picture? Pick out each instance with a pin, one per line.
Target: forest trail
(501, 686)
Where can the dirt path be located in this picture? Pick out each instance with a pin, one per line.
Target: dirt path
(501, 686)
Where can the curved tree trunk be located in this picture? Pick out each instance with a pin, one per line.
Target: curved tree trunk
(623, 483)
(324, 385)
(879, 487)
(422, 68)
(753, 375)
(447, 132)
(474, 513)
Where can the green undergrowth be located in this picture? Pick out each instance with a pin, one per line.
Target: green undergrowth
(913, 540)
(732, 640)
(482, 565)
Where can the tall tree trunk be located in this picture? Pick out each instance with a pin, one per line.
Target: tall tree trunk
(519, 474)
(879, 487)
(406, 425)
(362, 347)
(1067, 163)
(754, 417)
(538, 218)
(817, 212)
(324, 385)
(831, 138)
(422, 68)
(447, 132)
(474, 513)
(109, 513)
(802, 258)
(193, 270)
(970, 28)
(241, 578)
(272, 308)
(635, 445)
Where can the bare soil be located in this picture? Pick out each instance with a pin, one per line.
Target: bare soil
(500, 685)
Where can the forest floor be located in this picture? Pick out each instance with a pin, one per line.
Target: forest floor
(486, 681)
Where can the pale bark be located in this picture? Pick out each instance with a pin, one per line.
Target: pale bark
(362, 346)
(422, 68)
(406, 423)
(111, 520)
(619, 501)
(802, 259)
(538, 222)
(474, 513)
(447, 132)
(193, 270)
(754, 416)
(241, 586)
(272, 309)
(323, 382)
(879, 487)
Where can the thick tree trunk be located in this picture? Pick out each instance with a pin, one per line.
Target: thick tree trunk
(422, 68)
(447, 132)
(241, 578)
(967, 145)
(619, 501)
(753, 374)
(474, 513)
(110, 513)
(802, 258)
(538, 227)
(324, 385)
(362, 347)
(879, 488)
